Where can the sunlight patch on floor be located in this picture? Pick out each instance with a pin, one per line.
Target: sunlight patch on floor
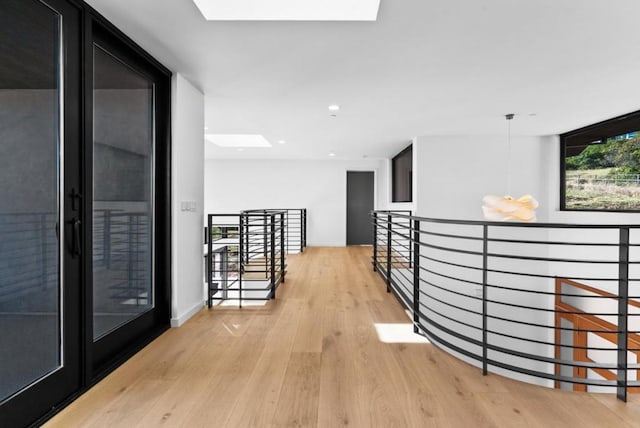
(398, 333)
(234, 329)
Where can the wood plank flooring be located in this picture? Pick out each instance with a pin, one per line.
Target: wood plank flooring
(312, 358)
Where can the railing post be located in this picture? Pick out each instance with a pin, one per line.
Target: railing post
(287, 230)
(416, 275)
(242, 236)
(485, 230)
(623, 309)
(304, 240)
(241, 253)
(273, 255)
(209, 264)
(264, 244)
(375, 241)
(282, 246)
(388, 253)
(224, 272)
(410, 246)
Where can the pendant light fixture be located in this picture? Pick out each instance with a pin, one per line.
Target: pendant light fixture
(507, 208)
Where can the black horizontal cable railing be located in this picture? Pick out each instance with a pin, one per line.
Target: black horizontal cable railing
(30, 257)
(121, 251)
(28, 260)
(245, 257)
(547, 303)
(295, 227)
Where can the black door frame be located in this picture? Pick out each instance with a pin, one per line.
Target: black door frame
(85, 363)
(117, 346)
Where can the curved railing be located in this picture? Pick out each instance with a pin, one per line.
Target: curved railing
(552, 304)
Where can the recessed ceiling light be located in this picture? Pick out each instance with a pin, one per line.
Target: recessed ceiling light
(282, 142)
(240, 149)
(289, 10)
(334, 107)
(237, 140)
(332, 154)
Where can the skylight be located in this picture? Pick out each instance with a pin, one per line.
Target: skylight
(289, 10)
(237, 140)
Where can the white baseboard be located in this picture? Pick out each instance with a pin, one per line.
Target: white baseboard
(177, 322)
(326, 244)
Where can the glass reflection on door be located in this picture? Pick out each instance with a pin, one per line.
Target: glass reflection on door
(122, 193)
(30, 182)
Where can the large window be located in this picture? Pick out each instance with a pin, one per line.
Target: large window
(600, 168)
(402, 176)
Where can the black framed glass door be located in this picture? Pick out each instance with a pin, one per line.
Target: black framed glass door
(40, 340)
(129, 277)
(84, 203)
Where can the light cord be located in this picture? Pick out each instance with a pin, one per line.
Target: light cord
(509, 117)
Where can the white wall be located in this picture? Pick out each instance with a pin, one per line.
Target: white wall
(187, 172)
(455, 172)
(453, 175)
(320, 186)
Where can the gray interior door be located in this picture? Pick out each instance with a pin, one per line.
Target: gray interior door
(360, 197)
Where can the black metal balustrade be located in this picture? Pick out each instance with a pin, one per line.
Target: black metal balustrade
(245, 257)
(121, 247)
(29, 257)
(553, 304)
(28, 260)
(295, 227)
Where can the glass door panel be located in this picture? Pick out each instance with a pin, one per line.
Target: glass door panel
(31, 144)
(123, 159)
(78, 200)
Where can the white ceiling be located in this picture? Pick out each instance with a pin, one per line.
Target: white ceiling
(425, 67)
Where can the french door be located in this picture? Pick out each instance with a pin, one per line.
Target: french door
(126, 184)
(40, 356)
(84, 203)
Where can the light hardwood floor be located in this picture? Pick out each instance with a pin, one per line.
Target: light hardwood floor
(312, 357)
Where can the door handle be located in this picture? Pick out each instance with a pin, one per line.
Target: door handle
(76, 245)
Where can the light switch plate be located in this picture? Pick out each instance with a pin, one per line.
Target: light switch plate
(188, 206)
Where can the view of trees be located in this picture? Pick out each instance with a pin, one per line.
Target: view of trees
(621, 155)
(605, 176)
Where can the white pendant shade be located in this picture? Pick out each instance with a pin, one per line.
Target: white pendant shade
(506, 208)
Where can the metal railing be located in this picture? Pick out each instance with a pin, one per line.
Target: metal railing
(552, 304)
(121, 245)
(28, 259)
(613, 179)
(295, 227)
(245, 257)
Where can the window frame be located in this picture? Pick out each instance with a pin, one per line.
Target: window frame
(394, 192)
(625, 121)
